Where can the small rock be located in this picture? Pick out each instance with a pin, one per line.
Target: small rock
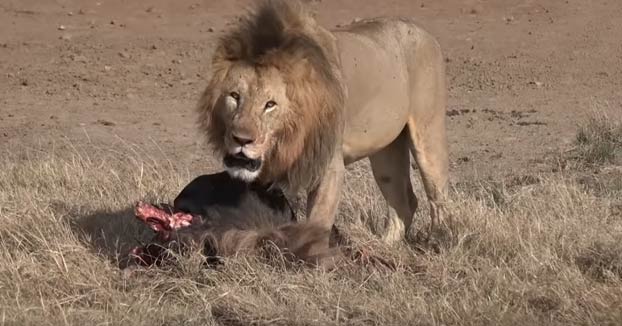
(5, 134)
(210, 30)
(81, 12)
(10, 75)
(107, 68)
(112, 22)
(177, 61)
(79, 58)
(65, 37)
(70, 13)
(105, 123)
(150, 9)
(24, 82)
(154, 47)
(61, 27)
(357, 20)
(124, 55)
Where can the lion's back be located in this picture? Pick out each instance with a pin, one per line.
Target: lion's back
(384, 63)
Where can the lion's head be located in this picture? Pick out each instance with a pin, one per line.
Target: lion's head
(273, 107)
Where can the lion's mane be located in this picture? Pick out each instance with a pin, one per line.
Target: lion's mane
(284, 35)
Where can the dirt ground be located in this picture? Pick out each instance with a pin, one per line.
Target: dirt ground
(522, 73)
(126, 75)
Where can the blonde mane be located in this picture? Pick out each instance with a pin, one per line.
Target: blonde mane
(283, 35)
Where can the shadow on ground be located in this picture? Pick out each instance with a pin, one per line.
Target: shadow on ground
(111, 233)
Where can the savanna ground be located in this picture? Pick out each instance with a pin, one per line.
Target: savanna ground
(96, 112)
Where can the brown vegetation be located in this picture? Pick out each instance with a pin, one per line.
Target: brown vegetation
(548, 252)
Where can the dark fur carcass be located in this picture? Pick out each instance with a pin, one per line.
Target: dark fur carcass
(223, 216)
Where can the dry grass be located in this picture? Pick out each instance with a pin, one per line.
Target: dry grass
(599, 141)
(544, 253)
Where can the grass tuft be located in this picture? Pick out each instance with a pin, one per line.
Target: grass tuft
(599, 141)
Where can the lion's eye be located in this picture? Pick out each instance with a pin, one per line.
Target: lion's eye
(235, 96)
(270, 105)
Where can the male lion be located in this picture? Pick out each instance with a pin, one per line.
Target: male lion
(291, 103)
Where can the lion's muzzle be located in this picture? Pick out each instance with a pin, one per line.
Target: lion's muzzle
(241, 161)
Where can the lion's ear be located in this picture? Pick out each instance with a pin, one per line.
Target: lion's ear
(228, 51)
(299, 70)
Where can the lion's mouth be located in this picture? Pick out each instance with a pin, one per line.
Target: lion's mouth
(242, 161)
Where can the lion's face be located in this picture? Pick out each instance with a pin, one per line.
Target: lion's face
(252, 107)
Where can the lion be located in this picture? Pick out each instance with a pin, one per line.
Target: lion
(291, 103)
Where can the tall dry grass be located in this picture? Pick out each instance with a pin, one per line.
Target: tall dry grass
(545, 252)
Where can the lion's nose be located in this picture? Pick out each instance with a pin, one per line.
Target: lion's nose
(243, 139)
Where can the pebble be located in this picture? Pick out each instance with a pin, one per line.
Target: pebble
(61, 27)
(105, 122)
(79, 58)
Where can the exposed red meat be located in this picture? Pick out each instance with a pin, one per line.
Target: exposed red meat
(160, 219)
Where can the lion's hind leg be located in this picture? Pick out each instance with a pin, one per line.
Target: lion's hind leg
(429, 148)
(391, 169)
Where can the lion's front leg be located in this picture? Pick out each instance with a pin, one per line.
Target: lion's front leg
(323, 199)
